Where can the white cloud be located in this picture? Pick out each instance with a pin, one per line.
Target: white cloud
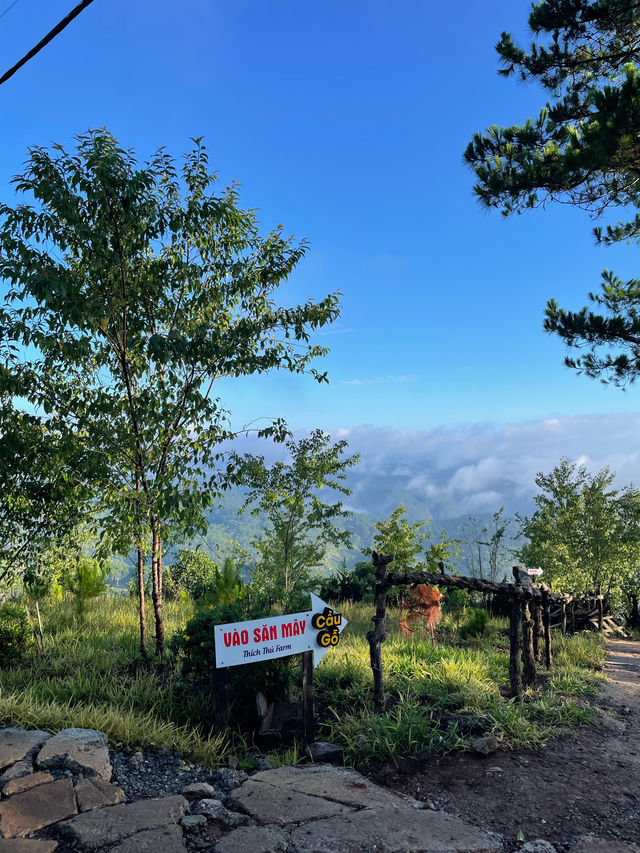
(476, 468)
(479, 467)
(379, 380)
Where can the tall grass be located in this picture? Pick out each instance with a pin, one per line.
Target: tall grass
(92, 677)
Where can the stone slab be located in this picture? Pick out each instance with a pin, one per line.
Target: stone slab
(167, 839)
(392, 830)
(271, 804)
(20, 768)
(83, 751)
(26, 845)
(23, 783)
(96, 794)
(16, 744)
(338, 784)
(593, 844)
(257, 839)
(101, 827)
(38, 807)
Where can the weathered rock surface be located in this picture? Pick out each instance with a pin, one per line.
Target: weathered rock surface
(389, 830)
(538, 845)
(23, 783)
(20, 768)
(26, 845)
(215, 810)
(486, 745)
(101, 827)
(322, 751)
(165, 839)
(592, 844)
(257, 839)
(337, 784)
(83, 751)
(199, 791)
(270, 803)
(38, 807)
(17, 744)
(96, 794)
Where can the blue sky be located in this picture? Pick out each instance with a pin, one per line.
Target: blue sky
(345, 121)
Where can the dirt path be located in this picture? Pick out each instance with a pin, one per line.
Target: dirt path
(586, 784)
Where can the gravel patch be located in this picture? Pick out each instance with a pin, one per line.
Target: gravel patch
(144, 775)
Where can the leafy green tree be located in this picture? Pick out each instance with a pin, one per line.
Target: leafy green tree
(581, 149)
(300, 524)
(584, 532)
(140, 289)
(411, 548)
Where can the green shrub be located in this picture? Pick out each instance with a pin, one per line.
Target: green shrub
(15, 633)
(476, 625)
(194, 572)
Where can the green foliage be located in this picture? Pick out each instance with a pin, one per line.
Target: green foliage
(456, 602)
(344, 585)
(300, 525)
(86, 578)
(584, 532)
(224, 588)
(476, 625)
(41, 496)
(581, 149)
(194, 572)
(15, 633)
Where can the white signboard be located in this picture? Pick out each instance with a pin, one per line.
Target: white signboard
(257, 640)
(534, 571)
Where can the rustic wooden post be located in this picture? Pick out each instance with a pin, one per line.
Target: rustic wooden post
(563, 617)
(528, 655)
(546, 616)
(308, 719)
(536, 614)
(515, 649)
(220, 687)
(600, 608)
(377, 636)
(572, 616)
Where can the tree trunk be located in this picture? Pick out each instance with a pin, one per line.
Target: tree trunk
(634, 617)
(143, 618)
(156, 578)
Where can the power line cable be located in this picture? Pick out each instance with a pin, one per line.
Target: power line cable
(45, 41)
(8, 8)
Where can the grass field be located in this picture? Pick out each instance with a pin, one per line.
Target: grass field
(92, 677)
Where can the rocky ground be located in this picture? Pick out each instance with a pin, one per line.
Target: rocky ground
(582, 785)
(67, 793)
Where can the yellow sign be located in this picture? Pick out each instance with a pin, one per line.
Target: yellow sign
(328, 624)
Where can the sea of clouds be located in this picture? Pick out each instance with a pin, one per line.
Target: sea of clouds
(476, 468)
